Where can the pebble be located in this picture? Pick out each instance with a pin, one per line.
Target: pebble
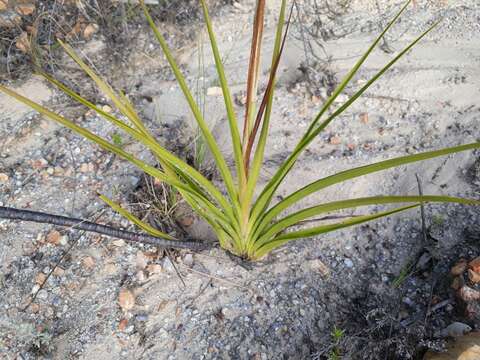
(475, 264)
(214, 91)
(64, 240)
(318, 265)
(188, 260)
(455, 329)
(3, 178)
(459, 268)
(167, 265)
(348, 263)
(473, 276)
(42, 294)
(142, 317)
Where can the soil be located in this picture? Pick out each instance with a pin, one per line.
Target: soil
(386, 284)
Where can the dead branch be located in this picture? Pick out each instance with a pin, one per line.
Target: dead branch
(79, 224)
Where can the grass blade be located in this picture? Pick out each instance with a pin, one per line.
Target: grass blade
(112, 148)
(132, 218)
(232, 119)
(162, 154)
(105, 88)
(212, 144)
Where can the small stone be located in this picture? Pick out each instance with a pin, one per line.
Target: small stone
(475, 264)
(39, 164)
(3, 4)
(318, 265)
(122, 325)
(316, 100)
(87, 168)
(42, 294)
(130, 329)
(239, 6)
(142, 317)
(468, 294)
(187, 221)
(40, 278)
(154, 269)
(58, 271)
(335, 140)
(64, 240)
(214, 91)
(140, 276)
(90, 30)
(4, 178)
(457, 283)
(459, 268)
(188, 260)
(348, 263)
(35, 308)
(323, 93)
(141, 261)
(118, 243)
(35, 289)
(110, 269)
(88, 262)
(455, 329)
(167, 265)
(54, 237)
(23, 42)
(364, 118)
(126, 299)
(473, 276)
(25, 9)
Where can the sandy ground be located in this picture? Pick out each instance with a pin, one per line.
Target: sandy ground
(287, 305)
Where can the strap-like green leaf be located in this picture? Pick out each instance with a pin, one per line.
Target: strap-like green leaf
(318, 230)
(269, 190)
(299, 216)
(353, 71)
(118, 101)
(312, 188)
(107, 145)
(232, 119)
(212, 144)
(149, 142)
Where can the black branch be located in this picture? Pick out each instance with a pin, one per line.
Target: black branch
(79, 224)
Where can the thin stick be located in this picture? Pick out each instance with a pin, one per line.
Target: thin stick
(79, 224)
(215, 278)
(175, 268)
(422, 210)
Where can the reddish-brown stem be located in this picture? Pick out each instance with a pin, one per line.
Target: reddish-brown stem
(266, 96)
(254, 64)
